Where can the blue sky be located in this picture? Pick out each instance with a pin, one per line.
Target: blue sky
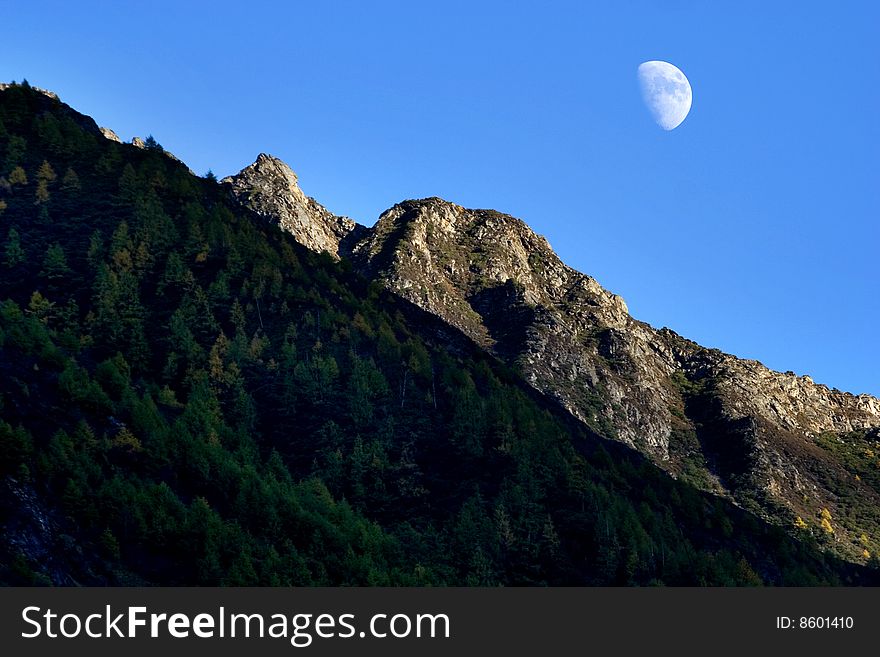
(752, 227)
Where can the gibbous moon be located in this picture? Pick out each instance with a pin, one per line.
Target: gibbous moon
(666, 92)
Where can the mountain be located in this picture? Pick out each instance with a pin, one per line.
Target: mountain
(269, 188)
(188, 395)
(781, 445)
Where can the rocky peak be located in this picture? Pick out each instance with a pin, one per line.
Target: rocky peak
(109, 134)
(726, 424)
(270, 188)
(441, 255)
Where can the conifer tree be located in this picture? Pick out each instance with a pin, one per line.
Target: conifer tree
(46, 173)
(70, 181)
(16, 147)
(18, 177)
(45, 177)
(55, 263)
(13, 253)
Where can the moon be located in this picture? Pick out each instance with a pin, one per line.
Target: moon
(666, 92)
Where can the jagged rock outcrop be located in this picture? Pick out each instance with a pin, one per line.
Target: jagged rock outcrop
(50, 94)
(269, 187)
(727, 424)
(109, 134)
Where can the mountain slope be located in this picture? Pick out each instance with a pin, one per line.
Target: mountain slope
(188, 396)
(728, 425)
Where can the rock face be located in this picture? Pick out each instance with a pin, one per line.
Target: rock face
(492, 277)
(109, 134)
(726, 424)
(269, 187)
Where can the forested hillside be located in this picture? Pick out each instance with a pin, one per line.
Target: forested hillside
(188, 396)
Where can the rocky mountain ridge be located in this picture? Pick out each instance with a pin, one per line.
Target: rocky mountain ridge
(730, 425)
(49, 94)
(269, 187)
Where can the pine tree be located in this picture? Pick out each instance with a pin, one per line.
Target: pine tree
(128, 184)
(95, 252)
(45, 177)
(70, 181)
(49, 132)
(13, 252)
(16, 148)
(41, 308)
(152, 145)
(46, 173)
(54, 263)
(18, 177)
(42, 193)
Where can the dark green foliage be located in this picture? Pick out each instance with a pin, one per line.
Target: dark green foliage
(16, 448)
(13, 254)
(70, 181)
(16, 147)
(152, 144)
(54, 264)
(192, 398)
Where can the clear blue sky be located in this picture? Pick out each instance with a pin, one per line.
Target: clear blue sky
(753, 227)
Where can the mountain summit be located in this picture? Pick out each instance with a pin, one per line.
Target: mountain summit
(269, 187)
(768, 440)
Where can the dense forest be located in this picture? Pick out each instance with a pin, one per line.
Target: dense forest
(187, 396)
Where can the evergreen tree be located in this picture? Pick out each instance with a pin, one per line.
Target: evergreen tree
(18, 177)
(16, 148)
(152, 145)
(129, 185)
(55, 264)
(49, 132)
(42, 193)
(95, 252)
(41, 308)
(46, 173)
(70, 181)
(13, 253)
